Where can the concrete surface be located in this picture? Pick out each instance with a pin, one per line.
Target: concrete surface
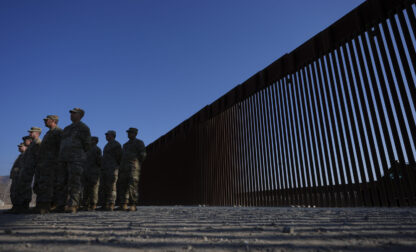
(214, 229)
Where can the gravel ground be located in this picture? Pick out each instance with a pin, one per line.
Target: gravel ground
(213, 229)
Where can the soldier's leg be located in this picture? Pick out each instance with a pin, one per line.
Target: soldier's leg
(83, 188)
(85, 192)
(61, 185)
(46, 181)
(109, 193)
(91, 182)
(24, 187)
(123, 192)
(53, 203)
(133, 185)
(36, 181)
(95, 183)
(113, 197)
(118, 190)
(74, 183)
(106, 189)
(101, 191)
(13, 191)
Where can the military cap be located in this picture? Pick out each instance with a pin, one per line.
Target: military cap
(94, 138)
(35, 129)
(77, 110)
(26, 137)
(21, 145)
(52, 117)
(134, 130)
(111, 132)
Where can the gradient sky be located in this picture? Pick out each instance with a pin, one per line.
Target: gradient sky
(149, 64)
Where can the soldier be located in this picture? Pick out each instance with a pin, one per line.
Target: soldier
(134, 153)
(92, 175)
(48, 164)
(24, 184)
(27, 140)
(111, 164)
(14, 174)
(75, 143)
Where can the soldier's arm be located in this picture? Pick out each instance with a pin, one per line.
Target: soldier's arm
(58, 139)
(86, 139)
(14, 167)
(142, 152)
(30, 159)
(36, 151)
(118, 152)
(98, 157)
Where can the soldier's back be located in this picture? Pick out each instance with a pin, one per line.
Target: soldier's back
(49, 149)
(93, 163)
(132, 149)
(17, 165)
(112, 154)
(32, 152)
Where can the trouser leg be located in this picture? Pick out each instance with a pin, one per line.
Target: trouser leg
(74, 182)
(85, 192)
(24, 186)
(123, 192)
(46, 181)
(61, 185)
(133, 185)
(13, 191)
(110, 188)
(94, 191)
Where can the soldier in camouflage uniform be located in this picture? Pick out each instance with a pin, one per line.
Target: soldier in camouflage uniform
(14, 174)
(111, 164)
(48, 165)
(92, 175)
(75, 143)
(24, 184)
(134, 153)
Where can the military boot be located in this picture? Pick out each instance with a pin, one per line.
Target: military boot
(70, 209)
(106, 207)
(92, 207)
(42, 208)
(53, 206)
(58, 209)
(109, 207)
(132, 208)
(83, 208)
(11, 210)
(124, 207)
(22, 209)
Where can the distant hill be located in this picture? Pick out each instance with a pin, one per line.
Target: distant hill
(4, 189)
(4, 179)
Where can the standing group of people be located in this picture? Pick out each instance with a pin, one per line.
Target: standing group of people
(70, 172)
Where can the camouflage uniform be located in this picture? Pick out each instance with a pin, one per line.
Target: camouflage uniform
(24, 184)
(92, 176)
(101, 189)
(111, 164)
(134, 153)
(48, 165)
(14, 176)
(75, 143)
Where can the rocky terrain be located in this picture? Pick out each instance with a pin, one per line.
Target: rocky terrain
(214, 229)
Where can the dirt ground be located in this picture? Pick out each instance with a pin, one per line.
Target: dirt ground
(214, 229)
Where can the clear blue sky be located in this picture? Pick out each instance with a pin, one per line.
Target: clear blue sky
(149, 64)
